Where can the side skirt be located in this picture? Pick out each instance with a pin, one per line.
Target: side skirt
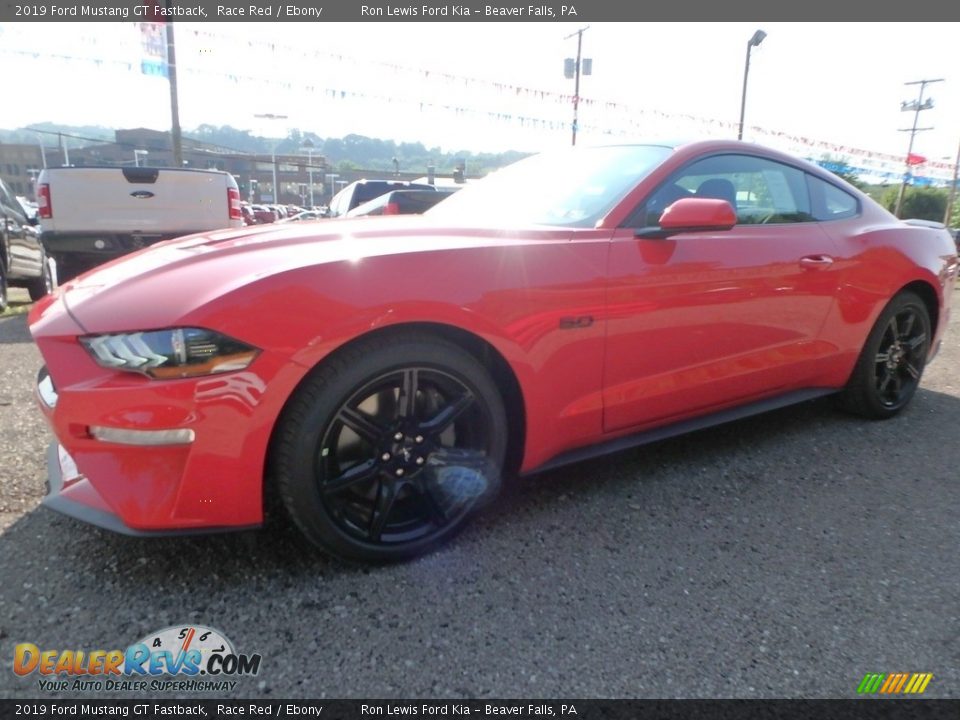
(681, 428)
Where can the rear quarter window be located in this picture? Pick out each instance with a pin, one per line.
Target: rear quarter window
(829, 202)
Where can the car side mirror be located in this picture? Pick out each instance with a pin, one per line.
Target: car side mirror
(693, 215)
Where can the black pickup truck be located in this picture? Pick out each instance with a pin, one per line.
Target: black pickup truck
(22, 259)
(402, 202)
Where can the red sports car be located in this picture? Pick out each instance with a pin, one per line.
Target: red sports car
(382, 375)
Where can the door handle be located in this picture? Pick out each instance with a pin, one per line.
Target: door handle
(816, 262)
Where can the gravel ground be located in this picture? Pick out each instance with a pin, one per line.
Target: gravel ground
(782, 556)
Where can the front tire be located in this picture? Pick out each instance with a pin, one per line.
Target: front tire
(390, 447)
(888, 371)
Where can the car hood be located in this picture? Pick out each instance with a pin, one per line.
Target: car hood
(170, 281)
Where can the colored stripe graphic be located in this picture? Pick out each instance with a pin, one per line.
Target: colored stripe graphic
(894, 683)
(870, 683)
(922, 682)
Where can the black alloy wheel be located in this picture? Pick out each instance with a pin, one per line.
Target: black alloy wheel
(380, 463)
(891, 364)
(900, 357)
(388, 449)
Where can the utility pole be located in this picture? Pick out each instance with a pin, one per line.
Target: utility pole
(953, 190)
(175, 135)
(915, 105)
(572, 69)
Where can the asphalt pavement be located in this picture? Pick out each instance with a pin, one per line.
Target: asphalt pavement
(785, 555)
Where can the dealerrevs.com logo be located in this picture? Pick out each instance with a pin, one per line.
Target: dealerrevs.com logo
(176, 659)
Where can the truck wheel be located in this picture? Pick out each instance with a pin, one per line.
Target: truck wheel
(43, 285)
(3, 287)
(66, 269)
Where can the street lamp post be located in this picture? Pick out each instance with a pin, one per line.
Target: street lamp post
(273, 155)
(331, 182)
(34, 173)
(43, 150)
(308, 146)
(753, 42)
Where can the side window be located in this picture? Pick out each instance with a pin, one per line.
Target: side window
(6, 200)
(9, 207)
(760, 190)
(830, 202)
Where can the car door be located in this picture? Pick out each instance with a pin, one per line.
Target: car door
(699, 321)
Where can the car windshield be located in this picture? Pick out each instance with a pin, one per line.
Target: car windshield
(575, 187)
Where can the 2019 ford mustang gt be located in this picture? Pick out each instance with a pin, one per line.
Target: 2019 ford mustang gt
(384, 374)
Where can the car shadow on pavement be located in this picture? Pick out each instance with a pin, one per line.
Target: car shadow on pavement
(743, 454)
(13, 329)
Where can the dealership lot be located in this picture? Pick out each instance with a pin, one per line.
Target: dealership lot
(782, 556)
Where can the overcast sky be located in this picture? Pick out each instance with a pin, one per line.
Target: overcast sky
(496, 86)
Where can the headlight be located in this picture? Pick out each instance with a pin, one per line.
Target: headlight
(168, 354)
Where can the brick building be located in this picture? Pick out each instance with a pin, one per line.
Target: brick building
(142, 146)
(19, 166)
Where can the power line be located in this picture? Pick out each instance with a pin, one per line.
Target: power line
(632, 121)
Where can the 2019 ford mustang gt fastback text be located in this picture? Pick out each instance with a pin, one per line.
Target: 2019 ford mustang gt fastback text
(385, 375)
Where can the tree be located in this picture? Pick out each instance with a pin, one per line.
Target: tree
(922, 203)
(842, 169)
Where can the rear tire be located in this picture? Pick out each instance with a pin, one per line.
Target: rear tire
(390, 447)
(891, 364)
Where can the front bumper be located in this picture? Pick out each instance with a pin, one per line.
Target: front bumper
(76, 497)
(212, 482)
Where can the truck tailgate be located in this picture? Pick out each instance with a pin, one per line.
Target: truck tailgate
(137, 200)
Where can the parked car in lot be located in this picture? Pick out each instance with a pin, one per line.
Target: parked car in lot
(385, 376)
(304, 215)
(264, 214)
(29, 209)
(402, 202)
(23, 261)
(247, 212)
(359, 192)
